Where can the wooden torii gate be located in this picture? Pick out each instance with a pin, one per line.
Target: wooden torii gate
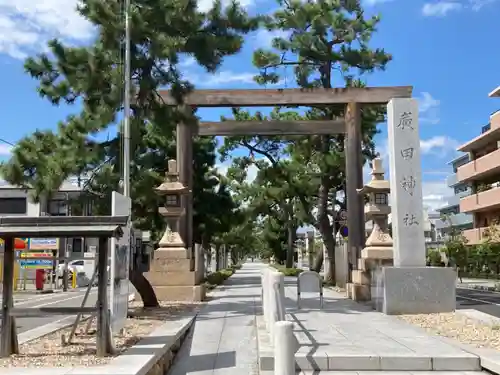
(353, 98)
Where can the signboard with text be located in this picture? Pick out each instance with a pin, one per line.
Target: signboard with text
(44, 244)
(39, 263)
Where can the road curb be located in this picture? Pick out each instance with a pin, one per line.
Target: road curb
(478, 287)
(489, 358)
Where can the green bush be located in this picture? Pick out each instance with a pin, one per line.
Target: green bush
(217, 278)
(293, 272)
(236, 267)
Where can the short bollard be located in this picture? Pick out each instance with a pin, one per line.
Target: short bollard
(275, 306)
(285, 347)
(264, 295)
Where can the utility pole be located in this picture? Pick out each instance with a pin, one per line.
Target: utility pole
(126, 106)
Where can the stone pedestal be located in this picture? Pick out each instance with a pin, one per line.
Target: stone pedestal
(174, 277)
(414, 290)
(360, 289)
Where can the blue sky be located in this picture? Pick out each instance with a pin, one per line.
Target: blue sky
(442, 48)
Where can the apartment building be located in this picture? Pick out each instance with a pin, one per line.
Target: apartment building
(482, 172)
(451, 217)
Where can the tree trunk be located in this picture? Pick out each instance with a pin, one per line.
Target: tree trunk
(318, 261)
(207, 254)
(217, 257)
(290, 243)
(234, 255)
(326, 229)
(144, 289)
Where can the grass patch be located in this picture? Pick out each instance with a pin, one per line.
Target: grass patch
(293, 272)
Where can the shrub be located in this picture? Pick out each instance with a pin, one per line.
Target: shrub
(217, 278)
(293, 272)
(236, 267)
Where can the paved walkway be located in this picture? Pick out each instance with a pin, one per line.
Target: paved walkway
(223, 341)
(346, 334)
(224, 338)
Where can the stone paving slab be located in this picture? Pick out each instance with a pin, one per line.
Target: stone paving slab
(347, 336)
(223, 338)
(391, 373)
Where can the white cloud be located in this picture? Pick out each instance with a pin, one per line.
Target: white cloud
(435, 194)
(476, 5)
(206, 5)
(264, 38)
(27, 25)
(428, 108)
(441, 8)
(187, 62)
(221, 78)
(5, 150)
(440, 145)
(252, 171)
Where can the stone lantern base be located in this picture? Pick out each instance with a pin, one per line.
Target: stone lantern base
(373, 258)
(173, 275)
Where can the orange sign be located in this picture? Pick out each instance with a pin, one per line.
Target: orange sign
(19, 243)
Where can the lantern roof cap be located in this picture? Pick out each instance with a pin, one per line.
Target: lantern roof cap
(171, 183)
(377, 184)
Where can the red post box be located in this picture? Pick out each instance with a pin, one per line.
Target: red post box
(39, 279)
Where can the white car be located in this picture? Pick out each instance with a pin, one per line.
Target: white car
(73, 266)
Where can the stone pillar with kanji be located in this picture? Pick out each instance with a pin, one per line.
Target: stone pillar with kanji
(378, 251)
(172, 273)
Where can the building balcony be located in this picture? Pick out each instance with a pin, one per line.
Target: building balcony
(483, 201)
(458, 220)
(480, 168)
(452, 180)
(485, 138)
(475, 236)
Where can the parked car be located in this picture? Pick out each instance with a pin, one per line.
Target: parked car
(73, 266)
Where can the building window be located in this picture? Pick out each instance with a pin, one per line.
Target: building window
(58, 208)
(13, 206)
(77, 245)
(380, 198)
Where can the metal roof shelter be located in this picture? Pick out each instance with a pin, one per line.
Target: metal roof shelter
(102, 227)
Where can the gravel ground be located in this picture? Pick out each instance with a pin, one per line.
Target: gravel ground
(458, 327)
(48, 351)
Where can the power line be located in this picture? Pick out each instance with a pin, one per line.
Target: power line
(7, 142)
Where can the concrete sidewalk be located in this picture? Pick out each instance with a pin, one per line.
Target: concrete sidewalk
(347, 336)
(223, 340)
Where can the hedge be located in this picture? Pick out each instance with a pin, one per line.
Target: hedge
(293, 272)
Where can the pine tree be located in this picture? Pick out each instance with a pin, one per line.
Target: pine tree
(91, 79)
(326, 42)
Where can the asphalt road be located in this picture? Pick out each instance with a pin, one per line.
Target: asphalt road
(484, 301)
(70, 299)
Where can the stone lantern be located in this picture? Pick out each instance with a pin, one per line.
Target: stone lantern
(378, 250)
(172, 191)
(172, 273)
(378, 211)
